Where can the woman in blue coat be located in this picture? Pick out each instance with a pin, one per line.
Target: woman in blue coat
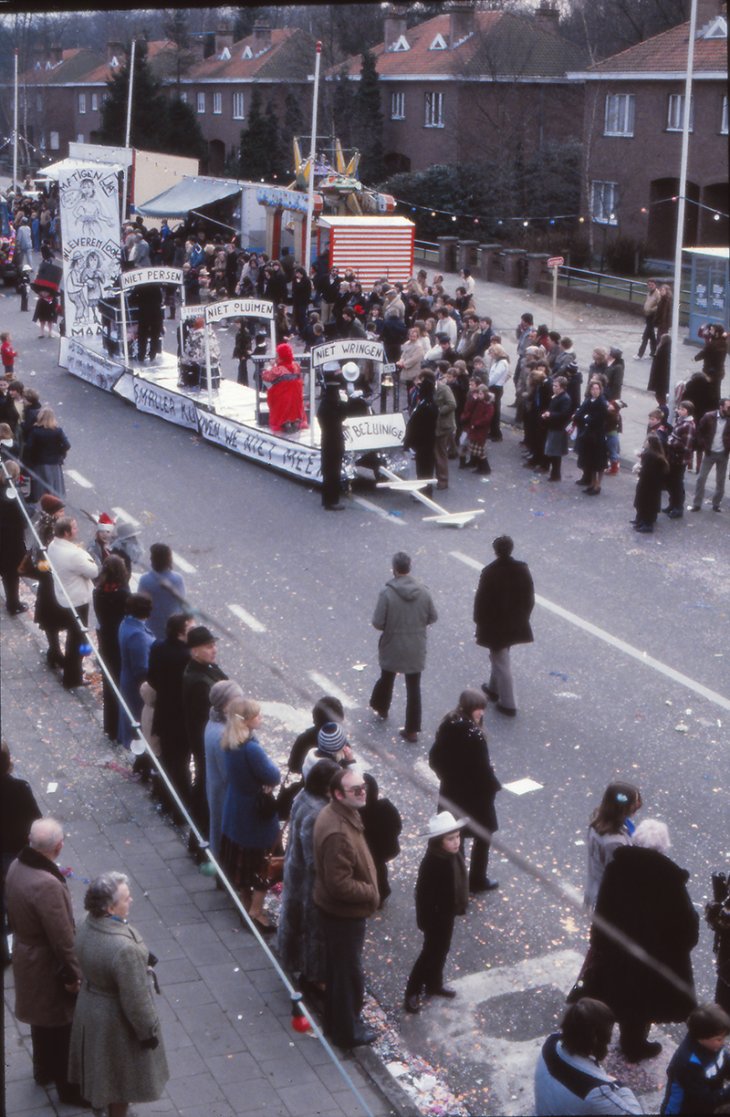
(135, 641)
(247, 834)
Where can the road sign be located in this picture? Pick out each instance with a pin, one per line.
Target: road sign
(555, 262)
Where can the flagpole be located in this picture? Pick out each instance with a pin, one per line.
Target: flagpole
(310, 214)
(681, 202)
(15, 130)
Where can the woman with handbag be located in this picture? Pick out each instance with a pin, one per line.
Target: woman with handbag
(250, 824)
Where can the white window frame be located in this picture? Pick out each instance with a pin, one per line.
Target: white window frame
(81, 103)
(200, 102)
(619, 114)
(433, 109)
(238, 108)
(94, 102)
(398, 106)
(723, 116)
(217, 104)
(54, 141)
(184, 96)
(604, 202)
(80, 138)
(675, 112)
(39, 102)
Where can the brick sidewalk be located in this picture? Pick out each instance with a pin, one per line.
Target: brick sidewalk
(225, 1014)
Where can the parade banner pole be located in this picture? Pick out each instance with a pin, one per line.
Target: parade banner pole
(128, 130)
(681, 200)
(206, 327)
(15, 128)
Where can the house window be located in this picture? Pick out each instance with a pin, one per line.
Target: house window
(53, 140)
(675, 113)
(397, 106)
(217, 103)
(434, 110)
(238, 106)
(619, 119)
(184, 97)
(80, 138)
(604, 202)
(94, 102)
(39, 103)
(82, 102)
(723, 117)
(200, 101)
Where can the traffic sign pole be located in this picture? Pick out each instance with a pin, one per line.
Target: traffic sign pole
(555, 262)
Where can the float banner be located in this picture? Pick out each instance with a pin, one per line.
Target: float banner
(140, 276)
(91, 366)
(91, 249)
(260, 446)
(352, 350)
(240, 308)
(374, 432)
(193, 310)
(166, 405)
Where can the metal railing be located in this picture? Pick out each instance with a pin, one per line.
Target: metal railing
(627, 290)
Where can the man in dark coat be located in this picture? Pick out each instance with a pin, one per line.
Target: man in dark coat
(503, 604)
(644, 896)
(420, 433)
(199, 675)
(45, 967)
(330, 414)
(168, 660)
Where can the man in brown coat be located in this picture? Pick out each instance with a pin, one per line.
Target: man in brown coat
(346, 893)
(45, 967)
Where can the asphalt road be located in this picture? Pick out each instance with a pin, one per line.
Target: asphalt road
(593, 705)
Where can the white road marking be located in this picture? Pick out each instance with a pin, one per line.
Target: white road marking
(328, 687)
(379, 511)
(615, 642)
(521, 787)
(248, 620)
(293, 719)
(79, 479)
(123, 514)
(425, 772)
(183, 564)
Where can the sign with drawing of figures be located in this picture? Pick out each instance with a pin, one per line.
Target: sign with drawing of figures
(91, 250)
(172, 406)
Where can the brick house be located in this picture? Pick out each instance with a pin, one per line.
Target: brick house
(633, 133)
(220, 87)
(60, 97)
(467, 82)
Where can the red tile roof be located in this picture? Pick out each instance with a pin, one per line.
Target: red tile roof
(290, 57)
(502, 44)
(667, 53)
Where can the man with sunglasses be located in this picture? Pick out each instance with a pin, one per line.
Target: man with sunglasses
(346, 894)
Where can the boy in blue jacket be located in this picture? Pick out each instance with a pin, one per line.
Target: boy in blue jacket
(699, 1072)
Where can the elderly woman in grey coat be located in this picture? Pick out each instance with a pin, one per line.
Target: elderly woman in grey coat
(300, 943)
(216, 776)
(117, 1056)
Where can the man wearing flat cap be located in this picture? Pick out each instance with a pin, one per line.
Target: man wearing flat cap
(199, 676)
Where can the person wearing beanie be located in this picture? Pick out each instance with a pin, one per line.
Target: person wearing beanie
(100, 546)
(285, 395)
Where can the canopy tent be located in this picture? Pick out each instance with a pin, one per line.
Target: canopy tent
(55, 169)
(190, 194)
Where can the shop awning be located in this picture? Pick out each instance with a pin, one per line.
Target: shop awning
(189, 194)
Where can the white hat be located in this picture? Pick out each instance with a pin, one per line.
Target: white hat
(350, 371)
(444, 823)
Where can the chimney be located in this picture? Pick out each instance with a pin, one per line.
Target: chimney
(707, 10)
(395, 25)
(461, 22)
(56, 55)
(547, 16)
(114, 49)
(223, 38)
(261, 37)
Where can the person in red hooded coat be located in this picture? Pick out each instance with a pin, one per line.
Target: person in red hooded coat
(286, 392)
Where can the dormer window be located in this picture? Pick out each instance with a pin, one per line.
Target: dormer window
(439, 43)
(401, 43)
(715, 29)
(247, 53)
(225, 55)
(114, 62)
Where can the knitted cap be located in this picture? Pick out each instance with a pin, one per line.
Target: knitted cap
(331, 738)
